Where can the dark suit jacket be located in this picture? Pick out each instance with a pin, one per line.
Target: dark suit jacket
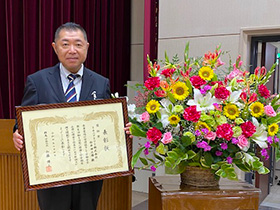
(45, 87)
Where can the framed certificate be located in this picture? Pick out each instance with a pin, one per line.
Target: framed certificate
(69, 143)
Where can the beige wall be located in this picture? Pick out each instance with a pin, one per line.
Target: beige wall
(205, 24)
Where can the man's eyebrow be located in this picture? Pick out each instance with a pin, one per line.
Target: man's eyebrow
(67, 40)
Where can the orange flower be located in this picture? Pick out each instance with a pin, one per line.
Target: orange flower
(164, 85)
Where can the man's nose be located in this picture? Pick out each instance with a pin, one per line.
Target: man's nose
(72, 49)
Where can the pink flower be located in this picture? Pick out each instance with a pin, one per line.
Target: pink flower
(167, 138)
(229, 160)
(263, 91)
(210, 135)
(235, 73)
(204, 145)
(152, 83)
(221, 93)
(269, 111)
(153, 168)
(154, 135)
(197, 81)
(224, 146)
(248, 129)
(191, 114)
(148, 145)
(218, 153)
(224, 131)
(242, 142)
(145, 117)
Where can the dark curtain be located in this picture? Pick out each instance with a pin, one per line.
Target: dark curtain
(27, 30)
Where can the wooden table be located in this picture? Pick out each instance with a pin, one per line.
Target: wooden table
(167, 193)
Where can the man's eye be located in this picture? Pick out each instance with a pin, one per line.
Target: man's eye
(64, 44)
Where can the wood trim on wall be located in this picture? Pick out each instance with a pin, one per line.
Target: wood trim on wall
(116, 193)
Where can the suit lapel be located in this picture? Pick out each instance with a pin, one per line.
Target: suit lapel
(87, 83)
(55, 82)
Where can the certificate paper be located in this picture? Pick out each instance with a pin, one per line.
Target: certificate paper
(66, 144)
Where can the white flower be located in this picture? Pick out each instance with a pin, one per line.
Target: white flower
(260, 136)
(167, 105)
(234, 97)
(203, 102)
(131, 110)
(116, 95)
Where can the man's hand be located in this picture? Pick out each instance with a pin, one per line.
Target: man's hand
(127, 131)
(18, 140)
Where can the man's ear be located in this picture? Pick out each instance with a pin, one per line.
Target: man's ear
(54, 47)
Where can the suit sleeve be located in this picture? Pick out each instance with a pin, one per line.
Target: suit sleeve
(107, 89)
(30, 96)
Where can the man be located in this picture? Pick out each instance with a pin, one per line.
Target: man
(52, 85)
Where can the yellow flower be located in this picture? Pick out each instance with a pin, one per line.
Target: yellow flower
(231, 111)
(152, 106)
(206, 73)
(256, 109)
(180, 91)
(272, 129)
(200, 125)
(174, 119)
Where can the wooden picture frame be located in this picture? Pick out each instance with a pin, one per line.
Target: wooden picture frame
(70, 143)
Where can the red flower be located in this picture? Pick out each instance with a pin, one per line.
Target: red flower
(243, 96)
(154, 135)
(252, 98)
(160, 93)
(221, 93)
(152, 83)
(191, 114)
(167, 72)
(263, 91)
(224, 131)
(248, 129)
(197, 81)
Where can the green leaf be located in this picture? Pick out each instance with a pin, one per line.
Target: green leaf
(263, 170)
(161, 149)
(277, 154)
(257, 165)
(166, 58)
(208, 158)
(136, 156)
(136, 131)
(215, 167)
(243, 167)
(173, 155)
(158, 114)
(171, 97)
(158, 157)
(275, 119)
(191, 154)
(186, 141)
(186, 54)
(144, 161)
(189, 85)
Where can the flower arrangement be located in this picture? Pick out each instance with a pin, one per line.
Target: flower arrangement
(190, 115)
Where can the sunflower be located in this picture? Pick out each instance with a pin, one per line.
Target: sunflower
(174, 119)
(257, 109)
(152, 106)
(231, 111)
(206, 73)
(272, 129)
(180, 91)
(200, 125)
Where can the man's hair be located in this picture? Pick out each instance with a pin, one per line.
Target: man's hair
(70, 26)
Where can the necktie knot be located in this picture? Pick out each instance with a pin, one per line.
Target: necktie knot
(72, 77)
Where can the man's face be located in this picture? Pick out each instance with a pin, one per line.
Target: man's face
(71, 49)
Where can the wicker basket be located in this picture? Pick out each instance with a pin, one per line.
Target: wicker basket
(199, 177)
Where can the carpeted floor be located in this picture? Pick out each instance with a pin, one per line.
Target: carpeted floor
(144, 206)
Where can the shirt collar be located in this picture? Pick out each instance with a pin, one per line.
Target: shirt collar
(65, 72)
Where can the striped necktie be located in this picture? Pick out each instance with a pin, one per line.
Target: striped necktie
(70, 93)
